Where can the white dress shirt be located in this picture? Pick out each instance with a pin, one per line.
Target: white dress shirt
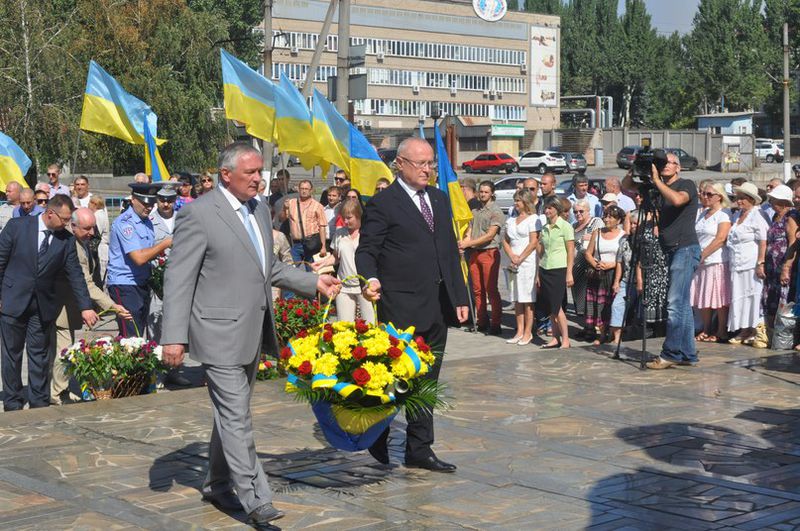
(236, 205)
(414, 197)
(40, 234)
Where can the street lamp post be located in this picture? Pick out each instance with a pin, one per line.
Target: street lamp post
(787, 137)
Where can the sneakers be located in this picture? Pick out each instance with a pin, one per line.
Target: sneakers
(660, 363)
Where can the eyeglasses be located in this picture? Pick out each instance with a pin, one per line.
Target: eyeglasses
(51, 174)
(532, 188)
(709, 194)
(769, 187)
(207, 180)
(65, 220)
(339, 179)
(186, 184)
(41, 201)
(579, 211)
(420, 164)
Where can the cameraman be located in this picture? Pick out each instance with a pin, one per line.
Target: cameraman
(677, 206)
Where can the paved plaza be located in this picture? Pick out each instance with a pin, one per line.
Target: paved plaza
(543, 440)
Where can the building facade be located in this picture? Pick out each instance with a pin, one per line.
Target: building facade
(420, 53)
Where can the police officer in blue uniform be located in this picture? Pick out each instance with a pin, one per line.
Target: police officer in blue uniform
(131, 247)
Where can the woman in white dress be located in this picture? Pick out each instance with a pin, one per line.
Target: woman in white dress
(520, 242)
(747, 248)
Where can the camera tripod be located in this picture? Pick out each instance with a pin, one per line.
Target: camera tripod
(641, 258)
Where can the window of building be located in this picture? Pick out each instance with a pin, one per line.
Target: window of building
(477, 143)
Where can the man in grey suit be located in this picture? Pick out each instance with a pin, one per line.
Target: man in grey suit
(218, 301)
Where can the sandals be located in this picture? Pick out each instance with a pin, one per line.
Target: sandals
(701, 337)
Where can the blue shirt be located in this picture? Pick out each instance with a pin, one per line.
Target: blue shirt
(129, 233)
(35, 212)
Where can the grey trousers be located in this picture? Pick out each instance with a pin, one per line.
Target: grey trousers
(232, 458)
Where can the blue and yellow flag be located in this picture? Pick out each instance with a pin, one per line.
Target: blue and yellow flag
(109, 110)
(250, 98)
(448, 183)
(153, 165)
(293, 125)
(342, 144)
(14, 163)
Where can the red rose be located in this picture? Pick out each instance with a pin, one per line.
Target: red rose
(268, 364)
(299, 312)
(284, 317)
(421, 344)
(394, 341)
(394, 352)
(360, 376)
(302, 333)
(328, 335)
(359, 353)
(361, 326)
(286, 353)
(328, 327)
(305, 368)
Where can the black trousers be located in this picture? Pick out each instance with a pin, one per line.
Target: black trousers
(419, 433)
(26, 332)
(135, 299)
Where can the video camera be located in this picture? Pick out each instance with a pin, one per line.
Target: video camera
(644, 161)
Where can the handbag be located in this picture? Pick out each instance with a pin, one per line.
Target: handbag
(312, 244)
(591, 272)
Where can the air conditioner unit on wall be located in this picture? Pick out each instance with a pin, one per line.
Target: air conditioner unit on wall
(294, 50)
(415, 89)
(368, 124)
(422, 117)
(453, 91)
(485, 93)
(523, 68)
(492, 93)
(380, 56)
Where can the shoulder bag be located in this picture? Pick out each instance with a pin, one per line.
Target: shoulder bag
(311, 244)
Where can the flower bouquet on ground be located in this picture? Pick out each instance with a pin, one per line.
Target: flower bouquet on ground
(267, 369)
(114, 367)
(294, 315)
(357, 377)
(157, 275)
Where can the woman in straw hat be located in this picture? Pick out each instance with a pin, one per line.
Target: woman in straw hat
(747, 248)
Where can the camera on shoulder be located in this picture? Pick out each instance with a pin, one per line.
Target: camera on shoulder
(644, 161)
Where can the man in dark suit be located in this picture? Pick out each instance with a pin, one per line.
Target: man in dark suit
(33, 251)
(408, 253)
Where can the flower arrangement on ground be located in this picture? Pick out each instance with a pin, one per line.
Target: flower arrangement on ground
(157, 275)
(357, 376)
(295, 314)
(267, 369)
(113, 367)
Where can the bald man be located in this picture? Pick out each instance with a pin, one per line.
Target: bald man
(766, 209)
(27, 205)
(69, 320)
(12, 201)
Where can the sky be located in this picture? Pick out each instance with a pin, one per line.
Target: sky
(667, 15)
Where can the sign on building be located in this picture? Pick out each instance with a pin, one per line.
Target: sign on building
(490, 10)
(544, 66)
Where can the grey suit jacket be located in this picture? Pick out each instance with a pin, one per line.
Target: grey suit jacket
(216, 297)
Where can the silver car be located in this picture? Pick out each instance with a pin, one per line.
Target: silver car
(504, 191)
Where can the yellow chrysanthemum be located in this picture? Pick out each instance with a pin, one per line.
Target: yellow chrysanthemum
(403, 368)
(326, 364)
(379, 375)
(343, 343)
(341, 326)
(377, 345)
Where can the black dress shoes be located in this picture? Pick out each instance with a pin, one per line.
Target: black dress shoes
(432, 463)
(227, 501)
(264, 515)
(380, 451)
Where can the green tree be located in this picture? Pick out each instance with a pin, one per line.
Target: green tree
(726, 51)
(546, 7)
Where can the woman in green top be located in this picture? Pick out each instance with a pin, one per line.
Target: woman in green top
(554, 275)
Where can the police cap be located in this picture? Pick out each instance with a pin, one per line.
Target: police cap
(144, 192)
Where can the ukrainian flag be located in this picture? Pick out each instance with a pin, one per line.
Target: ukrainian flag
(153, 165)
(293, 125)
(14, 163)
(250, 98)
(109, 110)
(342, 144)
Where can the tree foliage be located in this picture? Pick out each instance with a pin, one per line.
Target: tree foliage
(164, 52)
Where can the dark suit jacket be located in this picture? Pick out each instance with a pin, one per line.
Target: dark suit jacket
(398, 249)
(22, 276)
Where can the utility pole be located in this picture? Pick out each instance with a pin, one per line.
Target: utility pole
(787, 139)
(343, 59)
(323, 38)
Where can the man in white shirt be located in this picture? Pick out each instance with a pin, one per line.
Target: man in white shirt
(332, 211)
(82, 193)
(582, 192)
(623, 201)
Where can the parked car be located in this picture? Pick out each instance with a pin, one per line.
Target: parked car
(504, 191)
(491, 162)
(626, 156)
(542, 161)
(576, 162)
(291, 161)
(688, 162)
(769, 151)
